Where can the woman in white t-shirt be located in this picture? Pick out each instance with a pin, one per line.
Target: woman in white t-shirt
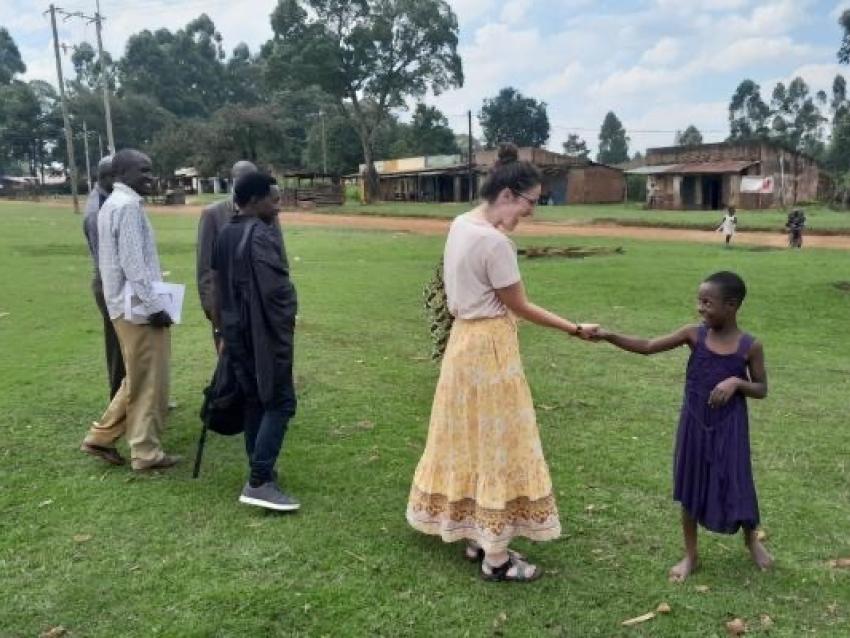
(482, 477)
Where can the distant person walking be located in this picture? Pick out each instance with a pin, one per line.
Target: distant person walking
(96, 199)
(127, 253)
(213, 218)
(795, 225)
(729, 225)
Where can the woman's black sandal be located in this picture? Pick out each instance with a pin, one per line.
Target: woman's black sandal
(500, 573)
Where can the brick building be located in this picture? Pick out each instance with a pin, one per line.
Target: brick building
(749, 175)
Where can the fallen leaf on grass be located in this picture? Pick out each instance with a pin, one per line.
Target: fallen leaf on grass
(766, 621)
(832, 608)
(663, 608)
(54, 632)
(365, 425)
(3, 314)
(840, 563)
(637, 620)
(736, 627)
(761, 535)
(46, 503)
(82, 538)
(702, 589)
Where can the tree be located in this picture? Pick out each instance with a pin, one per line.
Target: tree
(689, 137)
(748, 114)
(183, 71)
(576, 147)
(427, 134)
(369, 55)
(797, 120)
(511, 117)
(87, 67)
(844, 51)
(10, 58)
(613, 141)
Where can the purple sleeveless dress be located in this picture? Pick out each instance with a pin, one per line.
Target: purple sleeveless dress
(713, 477)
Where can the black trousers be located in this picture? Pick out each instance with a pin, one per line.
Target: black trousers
(114, 359)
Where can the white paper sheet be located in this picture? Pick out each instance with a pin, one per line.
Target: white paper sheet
(170, 295)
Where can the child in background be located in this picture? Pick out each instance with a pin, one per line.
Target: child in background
(713, 477)
(728, 225)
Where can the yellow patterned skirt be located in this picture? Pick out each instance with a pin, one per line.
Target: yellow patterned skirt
(482, 476)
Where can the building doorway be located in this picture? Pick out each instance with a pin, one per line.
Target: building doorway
(712, 192)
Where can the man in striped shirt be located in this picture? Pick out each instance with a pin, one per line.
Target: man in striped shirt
(127, 254)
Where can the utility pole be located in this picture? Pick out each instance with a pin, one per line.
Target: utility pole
(469, 156)
(324, 143)
(69, 142)
(98, 19)
(88, 157)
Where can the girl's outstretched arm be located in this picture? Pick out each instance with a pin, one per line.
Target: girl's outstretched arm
(686, 335)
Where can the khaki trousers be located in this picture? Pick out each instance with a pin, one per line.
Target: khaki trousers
(139, 409)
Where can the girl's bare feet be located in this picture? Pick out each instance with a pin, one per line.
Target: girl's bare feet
(760, 555)
(681, 570)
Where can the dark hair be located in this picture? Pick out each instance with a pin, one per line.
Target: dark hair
(124, 160)
(252, 185)
(731, 209)
(732, 287)
(509, 172)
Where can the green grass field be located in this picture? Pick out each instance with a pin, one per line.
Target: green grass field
(105, 553)
(820, 219)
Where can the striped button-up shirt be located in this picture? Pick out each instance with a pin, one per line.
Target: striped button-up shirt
(127, 251)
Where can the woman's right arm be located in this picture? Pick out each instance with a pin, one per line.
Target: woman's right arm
(517, 302)
(684, 335)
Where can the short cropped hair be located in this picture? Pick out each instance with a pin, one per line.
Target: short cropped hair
(732, 287)
(252, 185)
(124, 159)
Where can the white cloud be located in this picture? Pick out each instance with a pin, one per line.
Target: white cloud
(516, 11)
(749, 52)
(471, 10)
(636, 80)
(558, 84)
(664, 52)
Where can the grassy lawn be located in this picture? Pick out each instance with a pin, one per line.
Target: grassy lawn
(819, 218)
(105, 553)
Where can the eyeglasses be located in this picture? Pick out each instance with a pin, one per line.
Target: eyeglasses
(525, 197)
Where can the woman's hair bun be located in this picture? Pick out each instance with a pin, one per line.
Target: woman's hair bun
(508, 153)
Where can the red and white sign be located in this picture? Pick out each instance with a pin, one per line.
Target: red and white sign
(758, 185)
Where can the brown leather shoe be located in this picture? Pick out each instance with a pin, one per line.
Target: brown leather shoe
(167, 461)
(107, 454)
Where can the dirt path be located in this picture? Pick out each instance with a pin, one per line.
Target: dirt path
(431, 226)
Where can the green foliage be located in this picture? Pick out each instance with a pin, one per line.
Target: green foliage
(689, 137)
(428, 133)
(636, 188)
(369, 55)
(440, 320)
(11, 63)
(182, 71)
(613, 141)
(576, 147)
(512, 117)
(844, 50)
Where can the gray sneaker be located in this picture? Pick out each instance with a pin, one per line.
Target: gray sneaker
(268, 495)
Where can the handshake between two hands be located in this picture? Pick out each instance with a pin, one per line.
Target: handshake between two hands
(591, 332)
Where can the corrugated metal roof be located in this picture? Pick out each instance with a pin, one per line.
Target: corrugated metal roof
(694, 168)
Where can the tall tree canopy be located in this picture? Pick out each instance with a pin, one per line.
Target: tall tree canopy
(10, 58)
(512, 117)
(691, 136)
(613, 141)
(576, 146)
(370, 55)
(844, 51)
(748, 114)
(428, 133)
(183, 71)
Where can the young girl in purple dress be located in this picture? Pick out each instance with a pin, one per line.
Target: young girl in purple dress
(713, 477)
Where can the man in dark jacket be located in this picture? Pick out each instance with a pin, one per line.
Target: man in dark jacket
(213, 219)
(257, 305)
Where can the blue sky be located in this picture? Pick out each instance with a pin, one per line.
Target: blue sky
(659, 64)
